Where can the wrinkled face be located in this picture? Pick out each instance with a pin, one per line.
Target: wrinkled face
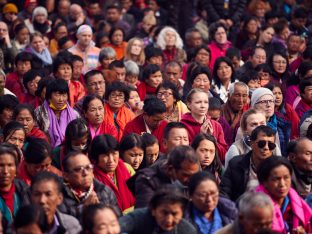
(303, 156)
(195, 40)
(166, 95)
(154, 79)
(134, 157)
(17, 138)
(224, 72)
(279, 64)
(77, 69)
(108, 162)
(58, 99)
(32, 86)
(23, 36)
(38, 44)
(254, 121)
(151, 153)
(116, 100)
(173, 74)
(259, 57)
(199, 104)
(96, 85)
(7, 170)
(307, 94)
(121, 73)
(64, 72)
(136, 47)
(134, 100)
(267, 35)
(261, 153)
(278, 96)
(40, 18)
(168, 215)
(34, 169)
(206, 151)
(220, 36)
(206, 196)
(25, 118)
(117, 37)
(176, 137)
(202, 57)
(170, 38)
(266, 103)
(293, 43)
(154, 120)
(239, 98)
(23, 67)
(252, 26)
(105, 222)
(95, 112)
(85, 38)
(186, 170)
(201, 81)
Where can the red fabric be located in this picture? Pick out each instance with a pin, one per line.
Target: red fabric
(193, 128)
(31, 100)
(217, 51)
(14, 84)
(292, 117)
(295, 64)
(36, 132)
(76, 92)
(107, 128)
(124, 197)
(169, 54)
(144, 89)
(302, 107)
(8, 197)
(137, 126)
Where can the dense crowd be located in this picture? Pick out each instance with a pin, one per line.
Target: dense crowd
(156, 116)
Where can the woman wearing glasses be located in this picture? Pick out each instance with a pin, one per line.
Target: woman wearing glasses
(279, 66)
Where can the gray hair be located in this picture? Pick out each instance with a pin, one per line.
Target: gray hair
(132, 68)
(39, 10)
(238, 83)
(249, 200)
(107, 52)
(161, 38)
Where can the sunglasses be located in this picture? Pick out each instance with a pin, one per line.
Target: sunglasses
(262, 143)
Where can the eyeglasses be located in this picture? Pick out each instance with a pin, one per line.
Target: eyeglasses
(263, 143)
(81, 169)
(265, 102)
(119, 96)
(280, 62)
(94, 84)
(165, 94)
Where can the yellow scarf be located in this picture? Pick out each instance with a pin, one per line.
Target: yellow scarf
(57, 109)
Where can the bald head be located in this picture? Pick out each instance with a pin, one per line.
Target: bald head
(302, 155)
(75, 11)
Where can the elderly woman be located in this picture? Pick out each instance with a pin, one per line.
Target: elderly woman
(111, 170)
(39, 21)
(208, 217)
(291, 213)
(106, 56)
(55, 113)
(169, 94)
(171, 44)
(132, 74)
(135, 51)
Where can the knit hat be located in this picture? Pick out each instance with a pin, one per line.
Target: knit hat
(258, 93)
(10, 7)
(28, 2)
(84, 28)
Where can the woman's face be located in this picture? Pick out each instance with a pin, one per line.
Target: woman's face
(61, 32)
(64, 72)
(285, 33)
(170, 38)
(58, 99)
(279, 182)
(220, 36)
(136, 47)
(7, 170)
(166, 95)
(40, 18)
(264, 78)
(117, 37)
(199, 104)
(279, 64)
(25, 118)
(154, 79)
(33, 85)
(106, 61)
(254, 121)
(151, 153)
(278, 96)
(108, 162)
(134, 157)
(105, 222)
(23, 36)
(201, 81)
(38, 44)
(202, 57)
(206, 152)
(252, 26)
(95, 112)
(80, 144)
(266, 104)
(206, 196)
(134, 100)
(168, 215)
(17, 138)
(116, 100)
(267, 35)
(224, 72)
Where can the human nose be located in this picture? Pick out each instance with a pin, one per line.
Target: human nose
(42, 199)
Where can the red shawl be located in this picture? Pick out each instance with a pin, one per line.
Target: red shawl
(124, 197)
(36, 132)
(144, 89)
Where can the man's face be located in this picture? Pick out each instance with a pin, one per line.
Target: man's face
(307, 95)
(121, 73)
(96, 85)
(196, 40)
(176, 137)
(293, 43)
(22, 67)
(173, 74)
(45, 193)
(112, 15)
(261, 146)
(303, 157)
(259, 57)
(63, 8)
(154, 120)
(85, 38)
(34, 169)
(239, 98)
(94, 9)
(186, 170)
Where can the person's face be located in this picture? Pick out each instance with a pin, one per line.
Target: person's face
(239, 98)
(85, 38)
(260, 11)
(40, 18)
(299, 22)
(22, 67)
(158, 60)
(33, 85)
(25, 118)
(266, 104)
(112, 15)
(95, 112)
(154, 79)
(134, 100)
(154, 120)
(105, 222)
(63, 8)
(206, 196)
(136, 47)
(134, 157)
(264, 78)
(259, 57)
(116, 100)
(108, 162)
(7, 170)
(206, 151)
(3, 30)
(176, 137)
(214, 113)
(94, 9)
(252, 26)
(23, 36)
(220, 36)
(117, 37)
(147, 26)
(307, 94)
(34, 169)
(131, 80)
(152, 4)
(67, 45)
(196, 40)
(199, 104)
(201, 81)
(285, 33)
(279, 182)
(106, 61)
(45, 193)
(262, 153)
(168, 215)
(167, 97)
(6, 116)
(278, 96)
(293, 43)
(10, 16)
(77, 69)
(59, 99)
(254, 121)
(2, 83)
(186, 170)
(75, 13)
(224, 72)
(173, 74)
(121, 73)
(267, 35)
(170, 38)
(303, 157)
(202, 57)
(38, 44)
(258, 218)
(235, 62)
(17, 138)
(279, 64)
(96, 85)
(29, 229)
(151, 153)
(254, 83)
(80, 172)
(64, 72)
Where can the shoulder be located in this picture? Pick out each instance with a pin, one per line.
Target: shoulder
(20, 185)
(69, 222)
(185, 227)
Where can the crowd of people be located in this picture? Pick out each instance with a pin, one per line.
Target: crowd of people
(156, 116)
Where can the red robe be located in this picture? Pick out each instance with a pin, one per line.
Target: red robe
(36, 132)
(14, 84)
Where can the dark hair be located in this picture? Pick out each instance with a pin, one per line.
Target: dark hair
(30, 76)
(113, 30)
(8, 101)
(21, 107)
(58, 85)
(280, 25)
(199, 177)
(263, 67)
(266, 166)
(7, 148)
(213, 28)
(151, 51)
(271, 86)
(149, 70)
(31, 214)
(181, 154)
(248, 76)
(199, 48)
(43, 83)
(102, 144)
(117, 86)
(19, 27)
(303, 84)
(153, 106)
(254, 49)
(10, 128)
(117, 63)
(88, 99)
(113, 6)
(75, 58)
(268, 131)
(169, 85)
(233, 52)
(300, 12)
(61, 59)
(171, 126)
(286, 74)
(99, 36)
(57, 26)
(216, 67)
(37, 150)
(23, 57)
(128, 142)
(46, 176)
(90, 74)
(62, 41)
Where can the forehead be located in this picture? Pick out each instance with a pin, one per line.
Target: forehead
(240, 89)
(45, 185)
(304, 145)
(277, 56)
(178, 132)
(96, 77)
(262, 135)
(266, 97)
(85, 34)
(173, 67)
(78, 160)
(258, 117)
